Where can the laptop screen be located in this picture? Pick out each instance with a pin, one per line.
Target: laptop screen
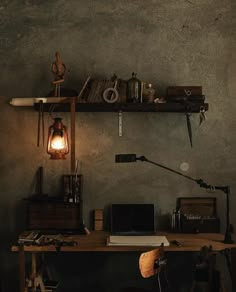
(132, 219)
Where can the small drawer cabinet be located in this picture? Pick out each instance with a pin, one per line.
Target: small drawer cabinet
(53, 215)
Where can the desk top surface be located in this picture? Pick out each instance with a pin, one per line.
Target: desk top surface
(96, 241)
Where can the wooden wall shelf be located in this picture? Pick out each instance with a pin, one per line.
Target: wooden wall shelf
(126, 107)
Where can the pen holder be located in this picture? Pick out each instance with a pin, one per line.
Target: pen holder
(72, 188)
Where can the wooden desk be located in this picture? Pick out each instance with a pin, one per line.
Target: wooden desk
(96, 242)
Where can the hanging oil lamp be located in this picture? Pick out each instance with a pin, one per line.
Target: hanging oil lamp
(57, 145)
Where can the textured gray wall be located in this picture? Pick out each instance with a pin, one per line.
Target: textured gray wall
(185, 42)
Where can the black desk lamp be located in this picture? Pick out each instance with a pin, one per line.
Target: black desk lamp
(225, 189)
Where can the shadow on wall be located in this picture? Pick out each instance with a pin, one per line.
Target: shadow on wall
(13, 218)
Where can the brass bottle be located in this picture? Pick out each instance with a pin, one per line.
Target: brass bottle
(134, 89)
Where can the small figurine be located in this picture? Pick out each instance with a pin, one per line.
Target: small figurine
(58, 69)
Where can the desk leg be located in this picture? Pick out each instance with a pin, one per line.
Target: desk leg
(233, 268)
(22, 269)
(33, 271)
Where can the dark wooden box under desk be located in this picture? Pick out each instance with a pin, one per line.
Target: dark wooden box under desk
(53, 215)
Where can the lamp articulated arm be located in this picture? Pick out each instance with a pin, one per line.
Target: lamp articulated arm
(200, 182)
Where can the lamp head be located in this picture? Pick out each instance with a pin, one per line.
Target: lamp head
(128, 158)
(125, 158)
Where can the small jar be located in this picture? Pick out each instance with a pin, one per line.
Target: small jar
(134, 89)
(149, 93)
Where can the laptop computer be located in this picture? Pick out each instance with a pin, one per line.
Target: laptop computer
(132, 219)
(133, 225)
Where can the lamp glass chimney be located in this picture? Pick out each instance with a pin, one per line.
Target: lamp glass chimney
(57, 145)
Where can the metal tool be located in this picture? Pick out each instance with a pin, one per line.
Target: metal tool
(189, 128)
(111, 95)
(202, 115)
(188, 92)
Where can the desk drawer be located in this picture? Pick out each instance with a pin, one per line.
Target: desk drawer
(53, 215)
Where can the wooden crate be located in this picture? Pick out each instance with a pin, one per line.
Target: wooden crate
(204, 206)
(198, 214)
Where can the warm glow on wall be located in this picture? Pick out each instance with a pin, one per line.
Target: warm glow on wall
(57, 145)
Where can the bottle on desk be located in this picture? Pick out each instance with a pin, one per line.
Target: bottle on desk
(176, 221)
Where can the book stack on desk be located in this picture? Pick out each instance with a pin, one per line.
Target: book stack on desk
(137, 240)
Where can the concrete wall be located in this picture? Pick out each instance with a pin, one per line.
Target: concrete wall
(185, 42)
